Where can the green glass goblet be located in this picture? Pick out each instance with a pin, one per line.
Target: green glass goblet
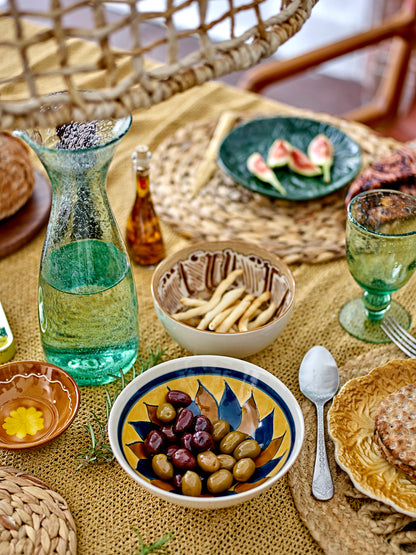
(381, 256)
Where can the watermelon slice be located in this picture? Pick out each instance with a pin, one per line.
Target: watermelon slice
(321, 153)
(279, 153)
(301, 164)
(258, 167)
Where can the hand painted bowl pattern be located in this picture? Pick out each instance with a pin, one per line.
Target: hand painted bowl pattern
(44, 387)
(202, 271)
(247, 404)
(196, 271)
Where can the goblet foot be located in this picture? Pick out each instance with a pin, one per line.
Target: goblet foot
(354, 319)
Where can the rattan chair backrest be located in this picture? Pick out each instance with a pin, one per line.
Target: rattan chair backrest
(123, 80)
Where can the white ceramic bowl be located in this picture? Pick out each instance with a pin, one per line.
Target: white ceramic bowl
(251, 399)
(196, 270)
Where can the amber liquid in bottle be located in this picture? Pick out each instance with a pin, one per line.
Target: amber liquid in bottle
(143, 236)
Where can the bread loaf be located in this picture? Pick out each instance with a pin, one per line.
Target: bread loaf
(16, 175)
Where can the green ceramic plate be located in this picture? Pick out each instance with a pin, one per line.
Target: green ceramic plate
(258, 135)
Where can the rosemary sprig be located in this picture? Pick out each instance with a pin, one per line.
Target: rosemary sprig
(100, 450)
(157, 548)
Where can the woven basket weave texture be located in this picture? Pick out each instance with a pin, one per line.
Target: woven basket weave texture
(127, 81)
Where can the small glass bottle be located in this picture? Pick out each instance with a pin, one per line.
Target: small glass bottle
(143, 236)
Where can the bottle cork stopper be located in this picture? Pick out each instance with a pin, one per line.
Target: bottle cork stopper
(141, 157)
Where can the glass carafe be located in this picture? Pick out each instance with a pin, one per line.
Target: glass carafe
(88, 313)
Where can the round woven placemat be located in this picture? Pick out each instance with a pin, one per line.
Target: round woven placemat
(33, 518)
(350, 523)
(310, 231)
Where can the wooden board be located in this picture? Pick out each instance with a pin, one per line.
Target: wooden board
(18, 230)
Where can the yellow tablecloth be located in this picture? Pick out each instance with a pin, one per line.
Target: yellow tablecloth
(105, 503)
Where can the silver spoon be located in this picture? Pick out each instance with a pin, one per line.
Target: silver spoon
(319, 381)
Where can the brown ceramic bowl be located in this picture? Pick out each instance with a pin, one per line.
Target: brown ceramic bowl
(38, 401)
(195, 271)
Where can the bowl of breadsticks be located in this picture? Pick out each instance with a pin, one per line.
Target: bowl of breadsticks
(227, 298)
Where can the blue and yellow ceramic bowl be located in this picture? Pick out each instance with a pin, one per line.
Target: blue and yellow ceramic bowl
(249, 398)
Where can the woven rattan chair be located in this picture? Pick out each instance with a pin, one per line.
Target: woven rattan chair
(128, 81)
(384, 106)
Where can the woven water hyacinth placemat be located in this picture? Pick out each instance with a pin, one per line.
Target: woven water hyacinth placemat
(33, 518)
(350, 523)
(310, 231)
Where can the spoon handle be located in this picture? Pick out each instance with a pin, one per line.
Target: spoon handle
(322, 485)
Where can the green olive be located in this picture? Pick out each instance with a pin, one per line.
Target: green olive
(219, 481)
(220, 428)
(244, 469)
(230, 441)
(247, 449)
(208, 461)
(165, 412)
(191, 484)
(226, 461)
(162, 467)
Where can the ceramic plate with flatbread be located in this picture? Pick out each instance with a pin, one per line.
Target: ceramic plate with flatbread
(351, 426)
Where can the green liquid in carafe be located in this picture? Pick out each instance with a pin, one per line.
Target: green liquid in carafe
(88, 311)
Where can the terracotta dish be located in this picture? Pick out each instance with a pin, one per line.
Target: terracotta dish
(38, 401)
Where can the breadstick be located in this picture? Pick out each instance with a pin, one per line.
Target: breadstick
(228, 299)
(193, 321)
(235, 314)
(219, 318)
(192, 302)
(200, 310)
(263, 317)
(251, 310)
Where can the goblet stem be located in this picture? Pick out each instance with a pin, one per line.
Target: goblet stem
(376, 305)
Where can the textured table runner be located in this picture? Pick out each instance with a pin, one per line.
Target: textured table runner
(105, 503)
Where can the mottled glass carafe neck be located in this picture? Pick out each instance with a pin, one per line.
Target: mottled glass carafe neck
(76, 157)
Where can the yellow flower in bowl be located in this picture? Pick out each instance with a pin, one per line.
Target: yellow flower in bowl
(23, 422)
(38, 402)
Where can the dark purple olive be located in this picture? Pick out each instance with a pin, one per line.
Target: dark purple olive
(177, 481)
(183, 459)
(169, 433)
(201, 441)
(183, 421)
(170, 450)
(154, 442)
(202, 424)
(178, 398)
(186, 441)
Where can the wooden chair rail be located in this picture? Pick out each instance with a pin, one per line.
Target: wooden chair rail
(384, 106)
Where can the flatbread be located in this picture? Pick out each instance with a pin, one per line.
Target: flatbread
(395, 429)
